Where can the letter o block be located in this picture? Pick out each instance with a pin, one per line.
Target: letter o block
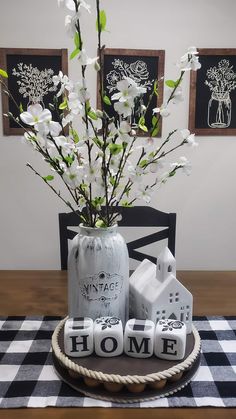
(170, 339)
(139, 338)
(108, 336)
(78, 336)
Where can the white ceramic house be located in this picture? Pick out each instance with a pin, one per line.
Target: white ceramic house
(156, 293)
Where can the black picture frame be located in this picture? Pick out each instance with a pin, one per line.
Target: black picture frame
(213, 93)
(22, 66)
(144, 66)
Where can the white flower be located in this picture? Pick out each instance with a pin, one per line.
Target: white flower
(123, 131)
(128, 90)
(145, 193)
(124, 108)
(70, 4)
(189, 61)
(67, 144)
(67, 119)
(49, 127)
(84, 59)
(163, 111)
(72, 175)
(82, 202)
(157, 165)
(64, 81)
(74, 103)
(189, 138)
(114, 163)
(186, 165)
(135, 173)
(91, 171)
(178, 95)
(34, 114)
(70, 22)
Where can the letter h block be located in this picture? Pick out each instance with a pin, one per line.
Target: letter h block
(139, 338)
(170, 339)
(78, 336)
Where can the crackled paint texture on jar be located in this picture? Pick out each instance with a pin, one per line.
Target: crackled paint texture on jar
(98, 274)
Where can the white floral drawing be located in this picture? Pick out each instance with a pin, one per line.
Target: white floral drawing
(136, 71)
(221, 81)
(33, 83)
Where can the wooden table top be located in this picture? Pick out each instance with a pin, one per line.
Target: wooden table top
(45, 293)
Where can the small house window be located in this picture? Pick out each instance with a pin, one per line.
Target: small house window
(187, 316)
(176, 296)
(169, 268)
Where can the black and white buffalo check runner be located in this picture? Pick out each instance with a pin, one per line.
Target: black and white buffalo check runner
(27, 377)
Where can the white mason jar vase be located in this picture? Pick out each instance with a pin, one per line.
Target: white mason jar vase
(98, 274)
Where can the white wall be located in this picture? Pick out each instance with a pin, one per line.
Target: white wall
(205, 202)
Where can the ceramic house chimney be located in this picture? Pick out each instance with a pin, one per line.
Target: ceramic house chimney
(166, 265)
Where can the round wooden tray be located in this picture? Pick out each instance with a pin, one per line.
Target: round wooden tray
(125, 370)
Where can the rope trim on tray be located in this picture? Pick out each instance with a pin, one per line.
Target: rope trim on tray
(124, 379)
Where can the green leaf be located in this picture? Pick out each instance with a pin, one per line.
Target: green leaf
(48, 178)
(74, 53)
(3, 73)
(92, 115)
(155, 87)
(143, 163)
(63, 105)
(74, 134)
(170, 83)
(155, 131)
(102, 21)
(21, 108)
(106, 100)
(100, 224)
(154, 121)
(77, 41)
(112, 180)
(141, 124)
(126, 204)
(172, 173)
(115, 148)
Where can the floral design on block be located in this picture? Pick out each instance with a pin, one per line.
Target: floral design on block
(170, 325)
(108, 322)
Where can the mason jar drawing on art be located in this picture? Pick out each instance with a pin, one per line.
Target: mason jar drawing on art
(221, 81)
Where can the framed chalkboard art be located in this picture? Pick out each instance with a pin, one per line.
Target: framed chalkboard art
(30, 73)
(212, 105)
(143, 66)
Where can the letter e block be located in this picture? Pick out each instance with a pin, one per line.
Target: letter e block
(78, 336)
(139, 338)
(170, 339)
(108, 336)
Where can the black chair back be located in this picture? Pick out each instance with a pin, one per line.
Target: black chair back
(139, 216)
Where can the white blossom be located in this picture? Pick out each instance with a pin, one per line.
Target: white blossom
(190, 60)
(72, 175)
(124, 108)
(35, 114)
(145, 193)
(188, 137)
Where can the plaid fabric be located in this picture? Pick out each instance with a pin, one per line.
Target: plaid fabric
(27, 378)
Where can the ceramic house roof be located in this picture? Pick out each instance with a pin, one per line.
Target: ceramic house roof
(144, 280)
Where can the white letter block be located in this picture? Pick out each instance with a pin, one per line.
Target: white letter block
(108, 336)
(170, 339)
(139, 338)
(78, 336)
